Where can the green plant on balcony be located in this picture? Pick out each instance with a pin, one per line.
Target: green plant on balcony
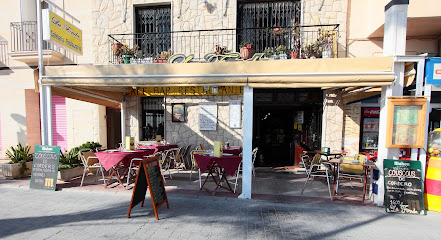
(163, 57)
(126, 53)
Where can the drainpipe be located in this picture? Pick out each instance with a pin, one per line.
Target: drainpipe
(394, 43)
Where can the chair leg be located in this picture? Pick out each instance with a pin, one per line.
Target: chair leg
(82, 179)
(329, 188)
(200, 181)
(128, 175)
(102, 173)
(307, 179)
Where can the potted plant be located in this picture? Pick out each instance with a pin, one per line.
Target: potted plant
(246, 50)
(268, 52)
(70, 165)
(282, 51)
(324, 43)
(296, 43)
(20, 164)
(127, 53)
(163, 57)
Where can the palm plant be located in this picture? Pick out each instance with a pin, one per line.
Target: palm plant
(19, 154)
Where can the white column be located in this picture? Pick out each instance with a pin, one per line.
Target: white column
(48, 103)
(419, 92)
(43, 105)
(123, 123)
(247, 143)
(394, 43)
(427, 93)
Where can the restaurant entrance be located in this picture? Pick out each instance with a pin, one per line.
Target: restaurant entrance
(286, 122)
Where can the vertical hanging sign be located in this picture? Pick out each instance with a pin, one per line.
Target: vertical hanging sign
(59, 32)
(45, 167)
(235, 113)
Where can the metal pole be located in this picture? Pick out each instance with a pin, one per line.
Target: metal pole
(43, 113)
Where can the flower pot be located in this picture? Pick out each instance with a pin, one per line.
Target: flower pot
(327, 53)
(13, 170)
(160, 60)
(126, 59)
(67, 174)
(246, 53)
(294, 55)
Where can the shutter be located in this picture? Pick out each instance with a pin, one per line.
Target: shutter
(59, 122)
(1, 141)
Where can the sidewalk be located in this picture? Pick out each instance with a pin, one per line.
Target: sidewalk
(82, 213)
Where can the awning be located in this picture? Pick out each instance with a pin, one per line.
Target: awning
(106, 84)
(323, 73)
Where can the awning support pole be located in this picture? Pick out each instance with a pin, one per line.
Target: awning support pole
(247, 143)
(123, 124)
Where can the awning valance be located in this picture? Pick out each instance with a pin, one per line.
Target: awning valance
(323, 73)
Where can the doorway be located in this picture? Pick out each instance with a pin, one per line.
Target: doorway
(286, 122)
(113, 117)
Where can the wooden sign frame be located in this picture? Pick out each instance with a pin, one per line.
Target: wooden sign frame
(143, 180)
(392, 122)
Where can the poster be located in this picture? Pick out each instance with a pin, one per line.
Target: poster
(178, 112)
(235, 113)
(207, 116)
(351, 140)
(405, 126)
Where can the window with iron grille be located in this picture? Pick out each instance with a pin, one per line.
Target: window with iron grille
(152, 118)
(261, 22)
(153, 25)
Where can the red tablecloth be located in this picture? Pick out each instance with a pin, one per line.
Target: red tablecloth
(110, 159)
(228, 163)
(233, 150)
(160, 148)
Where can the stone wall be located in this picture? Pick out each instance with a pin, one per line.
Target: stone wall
(332, 124)
(116, 17)
(318, 12)
(188, 132)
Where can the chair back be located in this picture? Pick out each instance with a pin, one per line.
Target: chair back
(192, 153)
(179, 153)
(165, 156)
(201, 147)
(255, 154)
(356, 169)
(88, 157)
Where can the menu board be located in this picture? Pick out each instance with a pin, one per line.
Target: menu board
(403, 186)
(149, 175)
(405, 129)
(207, 116)
(351, 120)
(45, 167)
(235, 113)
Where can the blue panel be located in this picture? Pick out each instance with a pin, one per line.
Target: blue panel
(430, 67)
(374, 188)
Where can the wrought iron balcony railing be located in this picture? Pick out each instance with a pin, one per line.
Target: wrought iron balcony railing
(24, 37)
(301, 41)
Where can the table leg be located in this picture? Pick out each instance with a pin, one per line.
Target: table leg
(117, 177)
(210, 173)
(220, 181)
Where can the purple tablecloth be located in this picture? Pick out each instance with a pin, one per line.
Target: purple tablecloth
(110, 159)
(228, 163)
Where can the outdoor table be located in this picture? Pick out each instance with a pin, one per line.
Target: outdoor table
(233, 150)
(159, 148)
(366, 168)
(332, 154)
(227, 165)
(110, 159)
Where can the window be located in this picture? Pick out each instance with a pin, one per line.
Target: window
(152, 118)
(153, 27)
(258, 19)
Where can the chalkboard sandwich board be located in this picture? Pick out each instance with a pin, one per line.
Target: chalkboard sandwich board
(403, 187)
(45, 167)
(149, 175)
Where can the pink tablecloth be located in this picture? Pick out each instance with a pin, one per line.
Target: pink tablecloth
(160, 148)
(228, 163)
(110, 159)
(233, 150)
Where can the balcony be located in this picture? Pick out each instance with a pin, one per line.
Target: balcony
(314, 41)
(24, 45)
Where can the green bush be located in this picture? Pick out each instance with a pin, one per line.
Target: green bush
(71, 159)
(19, 154)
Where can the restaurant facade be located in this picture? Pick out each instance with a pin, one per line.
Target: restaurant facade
(286, 105)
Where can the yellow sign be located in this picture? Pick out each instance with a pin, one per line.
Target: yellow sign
(184, 91)
(58, 31)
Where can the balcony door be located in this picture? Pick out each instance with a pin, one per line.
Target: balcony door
(262, 22)
(153, 27)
